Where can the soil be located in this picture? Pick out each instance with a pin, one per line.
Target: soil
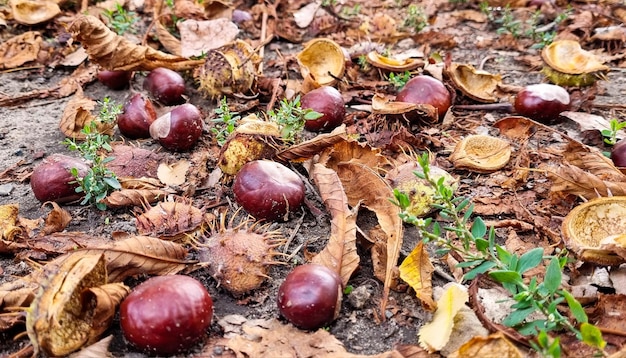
(29, 132)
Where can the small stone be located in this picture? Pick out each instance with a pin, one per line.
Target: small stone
(359, 296)
(6, 189)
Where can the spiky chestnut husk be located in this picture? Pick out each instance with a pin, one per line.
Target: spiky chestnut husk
(239, 257)
(570, 80)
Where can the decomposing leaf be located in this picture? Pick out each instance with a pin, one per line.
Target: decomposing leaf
(414, 113)
(592, 160)
(173, 174)
(98, 349)
(355, 177)
(310, 148)
(476, 84)
(351, 150)
(321, 62)
(340, 253)
(30, 12)
(417, 270)
(588, 225)
(198, 37)
(60, 320)
(495, 345)
(516, 127)
(20, 49)
(77, 114)
(167, 40)
(481, 153)
(114, 52)
(572, 180)
(434, 335)
(130, 161)
(134, 197)
(171, 221)
(57, 220)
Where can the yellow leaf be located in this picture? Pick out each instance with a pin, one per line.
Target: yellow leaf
(496, 346)
(433, 336)
(417, 271)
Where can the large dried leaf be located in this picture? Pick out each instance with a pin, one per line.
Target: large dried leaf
(357, 176)
(143, 255)
(78, 114)
(171, 221)
(115, 52)
(571, 179)
(592, 160)
(350, 150)
(311, 148)
(60, 320)
(134, 197)
(130, 161)
(417, 271)
(17, 293)
(20, 49)
(340, 253)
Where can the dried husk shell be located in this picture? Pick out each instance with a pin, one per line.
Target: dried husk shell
(570, 65)
(594, 229)
(392, 64)
(476, 84)
(321, 62)
(228, 69)
(30, 12)
(481, 153)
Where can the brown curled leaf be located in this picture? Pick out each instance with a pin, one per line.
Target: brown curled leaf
(115, 52)
(57, 220)
(171, 221)
(133, 197)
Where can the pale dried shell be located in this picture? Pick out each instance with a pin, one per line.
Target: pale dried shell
(568, 57)
(29, 12)
(391, 64)
(593, 229)
(321, 62)
(481, 153)
(476, 84)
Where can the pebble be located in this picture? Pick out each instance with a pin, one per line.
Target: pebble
(6, 189)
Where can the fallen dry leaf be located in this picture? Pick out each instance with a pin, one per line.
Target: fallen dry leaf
(114, 52)
(20, 49)
(493, 346)
(198, 37)
(417, 271)
(171, 220)
(434, 335)
(308, 149)
(8, 222)
(57, 219)
(355, 177)
(340, 252)
(77, 114)
(571, 179)
(134, 197)
(173, 174)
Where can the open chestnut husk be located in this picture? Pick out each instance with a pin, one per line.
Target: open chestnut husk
(327, 101)
(178, 130)
(52, 179)
(268, 190)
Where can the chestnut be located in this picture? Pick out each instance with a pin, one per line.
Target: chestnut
(542, 102)
(268, 190)
(137, 115)
(52, 179)
(618, 153)
(115, 80)
(165, 86)
(178, 130)
(327, 101)
(310, 297)
(166, 314)
(424, 89)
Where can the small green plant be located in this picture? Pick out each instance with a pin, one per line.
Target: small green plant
(327, 3)
(120, 20)
(99, 180)
(477, 246)
(610, 135)
(225, 123)
(363, 63)
(415, 19)
(398, 80)
(290, 118)
(348, 290)
(351, 11)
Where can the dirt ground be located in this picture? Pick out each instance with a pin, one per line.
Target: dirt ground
(29, 132)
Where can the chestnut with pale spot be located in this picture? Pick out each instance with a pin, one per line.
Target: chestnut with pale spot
(166, 314)
(542, 102)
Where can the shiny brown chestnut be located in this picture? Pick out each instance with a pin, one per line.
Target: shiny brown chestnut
(115, 80)
(166, 314)
(327, 101)
(424, 89)
(542, 102)
(165, 86)
(618, 153)
(180, 129)
(310, 297)
(137, 115)
(268, 190)
(52, 179)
